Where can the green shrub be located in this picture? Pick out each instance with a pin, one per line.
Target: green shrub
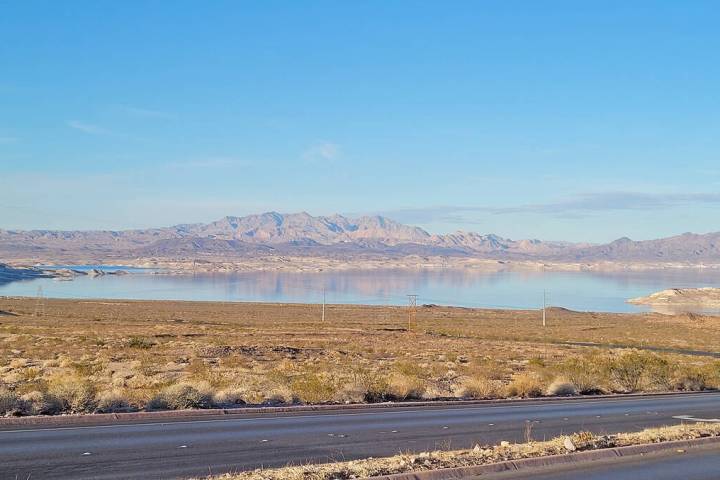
(313, 388)
(140, 342)
(585, 373)
(626, 370)
(658, 373)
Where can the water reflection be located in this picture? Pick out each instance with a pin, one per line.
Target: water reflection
(601, 291)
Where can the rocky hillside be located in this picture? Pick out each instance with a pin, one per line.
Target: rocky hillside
(336, 236)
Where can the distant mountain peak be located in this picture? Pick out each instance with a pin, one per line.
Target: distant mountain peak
(340, 235)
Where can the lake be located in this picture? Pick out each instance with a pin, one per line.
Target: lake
(594, 291)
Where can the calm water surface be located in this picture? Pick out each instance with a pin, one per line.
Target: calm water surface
(508, 289)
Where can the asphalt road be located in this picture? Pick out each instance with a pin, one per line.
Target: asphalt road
(188, 447)
(694, 464)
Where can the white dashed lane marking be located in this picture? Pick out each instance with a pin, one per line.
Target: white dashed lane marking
(693, 419)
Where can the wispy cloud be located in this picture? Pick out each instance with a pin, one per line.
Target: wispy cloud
(145, 112)
(88, 128)
(324, 151)
(207, 163)
(576, 206)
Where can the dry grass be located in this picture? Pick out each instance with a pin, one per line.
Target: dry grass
(86, 356)
(480, 455)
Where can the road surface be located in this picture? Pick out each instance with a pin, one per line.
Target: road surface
(190, 447)
(701, 463)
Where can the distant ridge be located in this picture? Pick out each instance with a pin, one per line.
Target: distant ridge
(336, 235)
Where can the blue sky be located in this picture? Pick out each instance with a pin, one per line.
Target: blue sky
(573, 120)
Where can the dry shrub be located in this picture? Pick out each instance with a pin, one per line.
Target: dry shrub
(406, 387)
(10, 403)
(39, 403)
(230, 396)
(373, 386)
(182, 396)
(480, 387)
(584, 373)
(561, 387)
(111, 401)
(525, 385)
(658, 373)
(279, 395)
(75, 394)
(313, 388)
(690, 379)
(626, 370)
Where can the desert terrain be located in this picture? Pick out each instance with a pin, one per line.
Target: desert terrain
(95, 356)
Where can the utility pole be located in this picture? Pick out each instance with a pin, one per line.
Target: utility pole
(412, 308)
(323, 306)
(39, 303)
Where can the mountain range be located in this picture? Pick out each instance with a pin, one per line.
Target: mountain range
(273, 233)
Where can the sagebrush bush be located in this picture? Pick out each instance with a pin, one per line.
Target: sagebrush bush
(689, 379)
(406, 387)
(74, 393)
(657, 374)
(525, 385)
(230, 396)
(626, 370)
(585, 373)
(182, 396)
(480, 388)
(39, 403)
(313, 388)
(10, 403)
(279, 395)
(561, 387)
(112, 401)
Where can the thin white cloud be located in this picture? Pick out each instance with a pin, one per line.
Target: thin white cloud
(577, 206)
(88, 128)
(211, 162)
(145, 112)
(324, 151)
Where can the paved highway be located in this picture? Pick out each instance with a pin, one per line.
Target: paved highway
(694, 464)
(187, 447)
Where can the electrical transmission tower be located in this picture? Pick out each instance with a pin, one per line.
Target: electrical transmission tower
(412, 309)
(39, 303)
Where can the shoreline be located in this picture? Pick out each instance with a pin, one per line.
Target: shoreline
(301, 264)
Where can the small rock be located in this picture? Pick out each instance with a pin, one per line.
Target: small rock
(569, 445)
(504, 443)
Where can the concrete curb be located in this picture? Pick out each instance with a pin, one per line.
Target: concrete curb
(217, 413)
(547, 461)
